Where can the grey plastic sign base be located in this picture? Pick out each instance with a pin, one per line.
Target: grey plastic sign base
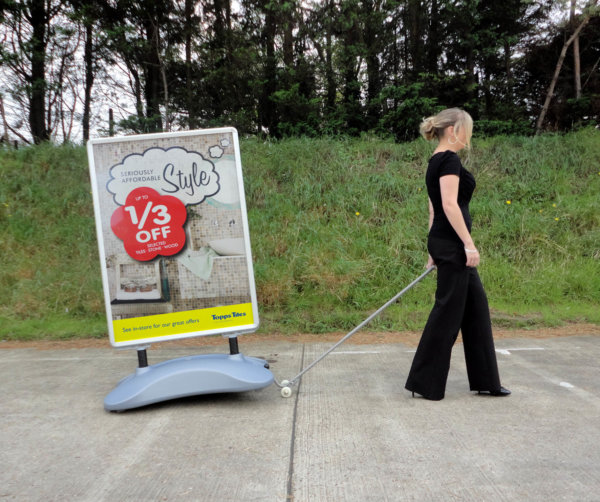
(189, 376)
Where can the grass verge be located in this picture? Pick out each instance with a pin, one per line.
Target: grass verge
(337, 227)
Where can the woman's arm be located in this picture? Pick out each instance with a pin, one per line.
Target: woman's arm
(430, 262)
(449, 191)
(430, 214)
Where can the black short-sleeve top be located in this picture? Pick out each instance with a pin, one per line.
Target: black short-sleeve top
(443, 164)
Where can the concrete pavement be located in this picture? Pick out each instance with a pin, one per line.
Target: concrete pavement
(350, 432)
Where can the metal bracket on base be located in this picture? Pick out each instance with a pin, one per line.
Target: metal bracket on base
(189, 376)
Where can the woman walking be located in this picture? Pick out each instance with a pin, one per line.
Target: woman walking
(460, 300)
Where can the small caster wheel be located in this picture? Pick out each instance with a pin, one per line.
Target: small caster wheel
(286, 392)
(285, 383)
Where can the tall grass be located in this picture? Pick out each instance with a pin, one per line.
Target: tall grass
(337, 228)
(49, 272)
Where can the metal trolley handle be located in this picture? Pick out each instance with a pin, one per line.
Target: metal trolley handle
(286, 385)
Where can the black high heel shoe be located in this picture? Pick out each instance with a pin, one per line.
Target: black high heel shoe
(497, 393)
(425, 397)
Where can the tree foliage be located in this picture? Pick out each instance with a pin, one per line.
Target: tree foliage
(288, 68)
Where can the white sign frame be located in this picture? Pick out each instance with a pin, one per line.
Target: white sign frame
(139, 313)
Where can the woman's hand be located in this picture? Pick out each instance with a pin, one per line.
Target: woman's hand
(472, 256)
(430, 262)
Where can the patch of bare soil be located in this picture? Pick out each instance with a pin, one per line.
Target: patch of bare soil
(409, 338)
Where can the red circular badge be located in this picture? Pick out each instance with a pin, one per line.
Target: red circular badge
(150, 224)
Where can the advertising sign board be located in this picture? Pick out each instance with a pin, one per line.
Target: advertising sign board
(173, 236)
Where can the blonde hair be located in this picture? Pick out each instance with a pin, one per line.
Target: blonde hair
(435, 126)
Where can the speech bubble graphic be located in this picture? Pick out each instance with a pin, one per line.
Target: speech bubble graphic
(174, 171)
(150, 224)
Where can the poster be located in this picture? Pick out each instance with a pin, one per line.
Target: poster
(173, 236)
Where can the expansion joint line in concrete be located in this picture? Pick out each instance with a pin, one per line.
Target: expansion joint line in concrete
(290, 478)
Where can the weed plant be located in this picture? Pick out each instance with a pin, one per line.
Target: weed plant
(338, 227)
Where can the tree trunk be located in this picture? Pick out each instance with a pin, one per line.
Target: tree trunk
(577, 68)
(165, 85)
(371, 30)
(111, 123)
(4, 121)
(37, 78)
(219, 24)
(89, 79)
(349, 65)
(508, 68)
(433, 42)
(576, 58)
(152, 82)
(136, 87)
(288, 36)
(559, 64)
(329, 73)
(267, 117)
(7, 127)
(189, 91)
(416, 38)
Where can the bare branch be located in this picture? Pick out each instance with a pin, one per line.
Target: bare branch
(559, 64)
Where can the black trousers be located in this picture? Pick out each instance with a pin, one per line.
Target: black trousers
(460, 304)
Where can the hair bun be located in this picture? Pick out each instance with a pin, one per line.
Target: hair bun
(435, 126)
(428, 129)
